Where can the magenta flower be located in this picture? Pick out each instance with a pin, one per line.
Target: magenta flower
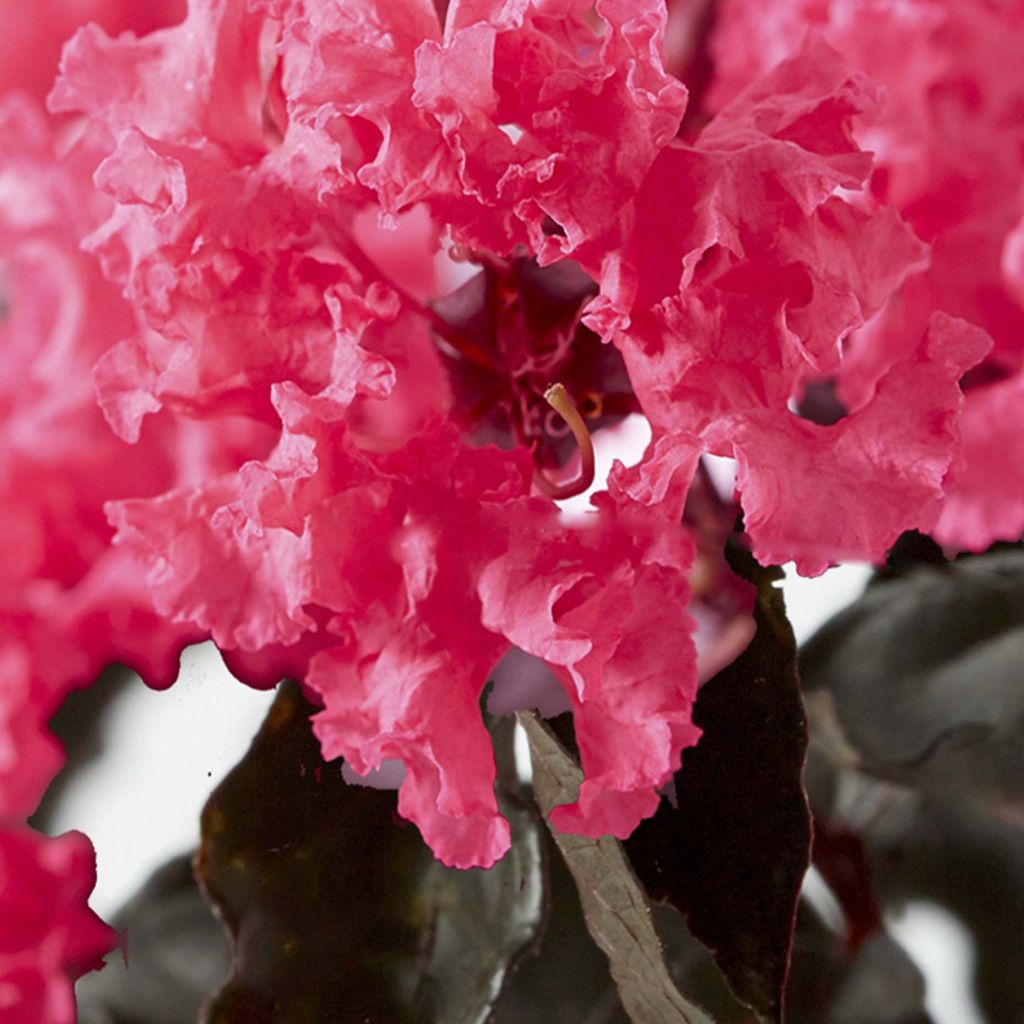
(946, 156)
(48, 936)
(277, 298)
(315, 308)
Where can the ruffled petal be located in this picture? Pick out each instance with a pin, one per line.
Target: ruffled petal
(48, 935)
(985, 496)
(412, 698)
(605, 605)
(514, 117)
(820, 495)
(243, 272)
(948, 162)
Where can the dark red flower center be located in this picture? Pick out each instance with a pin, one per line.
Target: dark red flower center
(507, 335)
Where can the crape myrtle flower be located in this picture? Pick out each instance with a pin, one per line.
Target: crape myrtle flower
(373, 551)
(71, 603)
(53, 534)
(314, 308)
(283, 178)
(741, 300)
(774, 160)
(35, 31)
(48, 935)
(424, 562)
(947, 147)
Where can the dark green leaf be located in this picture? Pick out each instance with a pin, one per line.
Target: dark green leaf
(912, 550)
(831, 983)
(566, 978)
(176, 953)
(882, 986)
(818, 962)
(614, 905)
(731, 854)
(924, 673)
(956, 855)
(338, 910)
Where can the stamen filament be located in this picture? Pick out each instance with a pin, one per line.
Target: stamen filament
(558, 398)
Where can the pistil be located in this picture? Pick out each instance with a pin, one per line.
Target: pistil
(558, 398)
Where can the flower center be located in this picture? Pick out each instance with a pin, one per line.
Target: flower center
(506, 336)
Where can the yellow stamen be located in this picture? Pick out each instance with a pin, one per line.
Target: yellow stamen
(558, 398)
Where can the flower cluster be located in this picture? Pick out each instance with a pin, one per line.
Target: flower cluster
(947, 158)
(286, 285)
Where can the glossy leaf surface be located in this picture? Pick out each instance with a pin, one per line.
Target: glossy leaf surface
(731, 852)
(924, 672)
(614, 904)
(338, 910)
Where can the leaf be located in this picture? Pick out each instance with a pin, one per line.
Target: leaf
(830, 983)
(731, 854)
(924, 676)
(819, 959)
(971, 862)
(614, 905)
(338, 910)
(876, 983)
(882, 986)
(537, 991)
(175, 953)
(483, 920)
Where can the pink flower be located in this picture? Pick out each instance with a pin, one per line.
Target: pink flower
(61, 462)
(62, 316)
(726, 316)
(217, 235)
(247, 396)
(278, 177)
(48, 935)
(948, 157)
(327, 539)
(71, 604)
(239, 233)
(35, 31)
